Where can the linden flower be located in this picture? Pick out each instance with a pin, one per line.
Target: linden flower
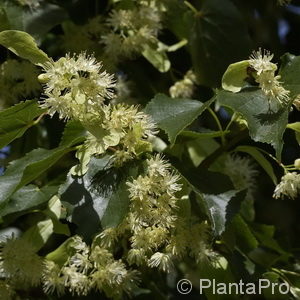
(52, 279)
(76, 282)
(110, 275)
(75, 85)
(156, 165)
(136, 256)
(272, 88)
(297, 163)
(260, 61)
(184, 88)
(129, 30)
(161, 260)
(108, 237)
(152, 213)
(289, 186)
(296, 102)
(19, 262)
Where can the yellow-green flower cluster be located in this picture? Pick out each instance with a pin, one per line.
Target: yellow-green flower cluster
(289, 186)
(18, 80)
(296, 102)
(185, 87)
(122, 125)
(19, 263)
(87, 269)
(265, 76)
(152, 214)
(151, 217)
(129, 30)
(75, 86)
(157, 231)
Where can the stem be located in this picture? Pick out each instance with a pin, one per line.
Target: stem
(35, 122)
(178, 45)
(218, 124)
(191, 7)
(112, 149)
(233, 118)
(275, 159)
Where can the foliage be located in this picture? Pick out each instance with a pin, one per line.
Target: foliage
(144, 142)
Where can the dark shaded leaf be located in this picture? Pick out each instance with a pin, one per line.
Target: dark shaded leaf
(266, 119)
(264, 163)
(73, 134)
(173, 115)
(28, 197)
(100, 196)
(222, 208)
(290, 73)
(15, 120)
(218, 38)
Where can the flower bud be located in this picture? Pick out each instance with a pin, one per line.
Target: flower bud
(297, 163)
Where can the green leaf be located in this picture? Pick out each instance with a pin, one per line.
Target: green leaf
(4, 23)
(258, 156)
(265, 235)
(39, 234)
(273, 291)
(23, 45)
(27, 198)
(40, 21)
(24, 170)
(63, 252)
(244, 237)
(15, 14)
(290, 73)
(195, 135)
(74, 133)
(266, 119)
(199, 149)
(176, 10)
(220, 271)
(202, 180)
(54, 211)
(100, 196)
(294, 126)
(15, 120)
(218, 38)
(234, 78)
(158, 59)
(173, 115)
(222, 208)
